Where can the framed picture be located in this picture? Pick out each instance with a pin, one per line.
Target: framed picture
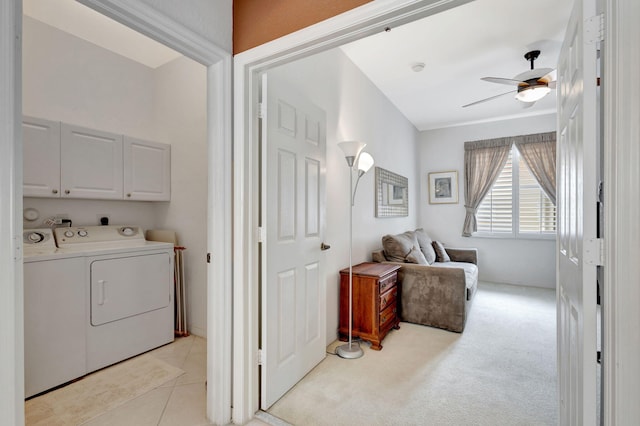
(443, 187)
(392, 194)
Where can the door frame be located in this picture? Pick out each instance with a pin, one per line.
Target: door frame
(146, 20)
(621, 343)
(363, 21)
(622, 154)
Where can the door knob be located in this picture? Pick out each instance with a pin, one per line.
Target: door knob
(324, 246)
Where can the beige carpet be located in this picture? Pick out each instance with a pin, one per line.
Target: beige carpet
(99, 392)
(500, 371)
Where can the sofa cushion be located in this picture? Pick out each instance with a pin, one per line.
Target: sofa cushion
(470, 271)
(424, 241)
(397, 247)
(416, 256)
(441, 253)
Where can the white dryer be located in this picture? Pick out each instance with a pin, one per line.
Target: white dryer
(130, 291)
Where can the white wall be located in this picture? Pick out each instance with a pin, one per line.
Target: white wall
(212, 19)
(523, 262)
(356, 110)
(68, 79)
(181, 106)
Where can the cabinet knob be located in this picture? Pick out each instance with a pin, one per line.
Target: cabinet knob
(66, 191)
(54, 191)
(129, 195)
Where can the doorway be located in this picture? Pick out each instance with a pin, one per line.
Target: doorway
(147, 20)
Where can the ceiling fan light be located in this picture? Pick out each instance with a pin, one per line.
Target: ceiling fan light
(532, 93)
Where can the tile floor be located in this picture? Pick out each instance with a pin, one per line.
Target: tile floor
(179, 402)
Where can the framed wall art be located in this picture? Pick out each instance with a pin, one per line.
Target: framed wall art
(443, 187)
(392, 194)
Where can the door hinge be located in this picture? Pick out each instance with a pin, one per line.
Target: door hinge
(594, 29)
(593, 251)
(208, 257)
(262, 110)
(259, 357)
(260, 234)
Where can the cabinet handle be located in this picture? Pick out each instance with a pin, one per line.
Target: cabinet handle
(54, 191)
(66, 191)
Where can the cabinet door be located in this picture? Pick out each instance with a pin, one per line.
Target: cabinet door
(91, 163)
(147, 170)
(41, 165)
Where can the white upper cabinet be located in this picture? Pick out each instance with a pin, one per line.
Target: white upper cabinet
(41, 165)
(147, 170)
(91, 165)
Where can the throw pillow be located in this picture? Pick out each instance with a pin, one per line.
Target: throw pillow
(397, 247)
(441, 253)
(424, 241)
(416, 256)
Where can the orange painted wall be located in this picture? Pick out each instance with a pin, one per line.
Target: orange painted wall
(256, 22)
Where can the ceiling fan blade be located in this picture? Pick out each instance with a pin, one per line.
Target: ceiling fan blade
(500, 80)
(527, 104)
(552, 76)
(531, 74)
(488, 99)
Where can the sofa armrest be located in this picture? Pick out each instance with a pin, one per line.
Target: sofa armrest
(433, 296)
(469, 255)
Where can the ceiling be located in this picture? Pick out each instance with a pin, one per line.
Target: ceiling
(458, 47)
(85, 23)
(484, 38)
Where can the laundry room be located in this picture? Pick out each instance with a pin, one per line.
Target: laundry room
(72, 81)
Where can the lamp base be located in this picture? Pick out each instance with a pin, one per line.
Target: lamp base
(347, 351)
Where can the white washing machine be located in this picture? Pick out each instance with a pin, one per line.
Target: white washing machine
(54, 313)
(104, 294)
(129, 297)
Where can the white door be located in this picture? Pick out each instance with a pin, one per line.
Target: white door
(91, 162)
(293, 278)
(577, 196)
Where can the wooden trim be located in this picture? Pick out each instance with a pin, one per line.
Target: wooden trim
(621, 345)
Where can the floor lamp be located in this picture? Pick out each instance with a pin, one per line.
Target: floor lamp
(362, 162)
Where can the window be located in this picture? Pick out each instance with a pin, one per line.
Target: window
(516, 206)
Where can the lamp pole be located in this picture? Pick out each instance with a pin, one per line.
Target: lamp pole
(352, 152)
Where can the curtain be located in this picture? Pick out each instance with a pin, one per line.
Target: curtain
(539, 152)
(483, 162)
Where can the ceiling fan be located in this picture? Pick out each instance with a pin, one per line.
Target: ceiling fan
(532, 85)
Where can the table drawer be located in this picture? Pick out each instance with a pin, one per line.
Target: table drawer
(388, 298)
(387, 282)
(387, 316)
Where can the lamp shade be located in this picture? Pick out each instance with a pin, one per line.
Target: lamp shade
(351, 150)
(365, 162)
(532, 93)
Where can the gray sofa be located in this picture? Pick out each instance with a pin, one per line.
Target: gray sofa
(437, 288)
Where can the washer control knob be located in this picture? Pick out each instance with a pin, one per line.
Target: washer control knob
(127, 231)
(82, 233)
(68, 234)
(35, 237)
